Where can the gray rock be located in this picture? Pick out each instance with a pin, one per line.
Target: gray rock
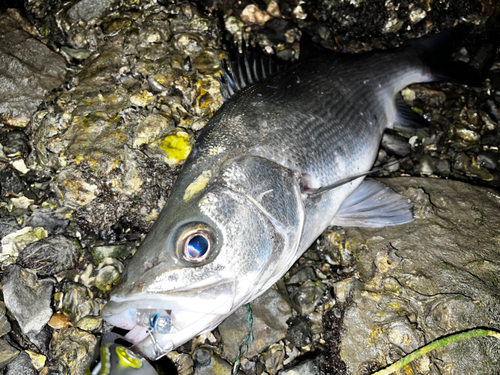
(14, 142)
(427, 279)
(488, 159)
(306, 297)
(21, 56)
(21, 366)
(308, 367)
(183, 362)
(10, 182)
(273, 357)
(395, 144)
(87, 10)
(77, 302)
(50, 220)
(50, 255)
(300, 333)
(27, 298)
(75, 348)
(4, 322)
(303, 275)
(8, 224)
(206, 362)
(270, 312)
(42, 339)
(7, 353)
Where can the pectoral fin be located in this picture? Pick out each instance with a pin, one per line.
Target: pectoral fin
(374, 205)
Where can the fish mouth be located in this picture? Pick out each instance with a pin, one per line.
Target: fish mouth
(188, 311)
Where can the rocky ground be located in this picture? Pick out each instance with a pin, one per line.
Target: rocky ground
(100, 102)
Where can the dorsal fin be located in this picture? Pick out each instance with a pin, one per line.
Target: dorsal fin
(245, 68)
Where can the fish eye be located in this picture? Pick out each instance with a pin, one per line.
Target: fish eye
(197, 244)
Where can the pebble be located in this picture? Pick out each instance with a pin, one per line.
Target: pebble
(10, 182)
(183, 362)
(8, 224)
(14, 243)
(306, 297)
(27, 298)
(23, 55)
(7, 353)
(300, 333)
(14, 143)
(488, 160)
(74, 347)
(206, 362)
(395, 144)
(90, 323)
(50, 220)
(270, 313)
(302, 275)
(21, 365)
(108, 274)
(87, 10)
(50, 255)
(4, 322)
(77, 302)
(308, 367)
(273, 357)
(119, 251)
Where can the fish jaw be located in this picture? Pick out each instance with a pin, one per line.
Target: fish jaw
(191, 309)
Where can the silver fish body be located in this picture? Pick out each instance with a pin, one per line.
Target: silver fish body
(244, 191)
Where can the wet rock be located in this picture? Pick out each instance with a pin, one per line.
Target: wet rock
(183, 362)
(49, 220)
(426, 280)
(38, 360)
(42, 339)
(270, 313)
(273, 358)
(87, 10)
(27, 298)
(10, 182)
(75, 348)
(395, 144)
(488, 160)
(300, 333)
(303, 275)
(306, 297)
(50, 255)
(308, 367)
(90, 323)
(21, 365)
(14, 243)
(14, 143)
(108, 274)
(22, 55)
(59, 321)
(7, 353)
(4, 322)
(78, 303)
(8, 225)
(119, 251)
(98, 134)
(206, 362)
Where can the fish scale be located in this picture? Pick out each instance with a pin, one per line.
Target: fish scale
(280, 161)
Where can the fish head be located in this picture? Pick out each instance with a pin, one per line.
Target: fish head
(210, 251)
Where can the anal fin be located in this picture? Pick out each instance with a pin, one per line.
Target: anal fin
(374, 205)
(406, 118)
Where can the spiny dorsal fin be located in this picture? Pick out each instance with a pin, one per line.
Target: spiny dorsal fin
(245, 68)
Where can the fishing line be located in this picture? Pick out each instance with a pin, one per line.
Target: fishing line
(246, 343)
